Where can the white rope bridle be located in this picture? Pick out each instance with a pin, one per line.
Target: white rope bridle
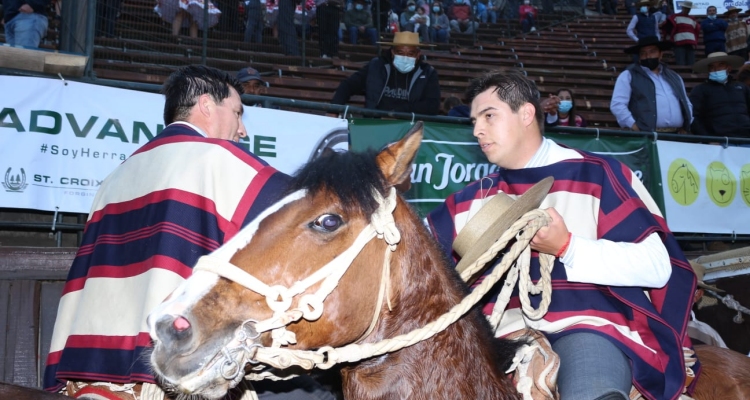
(309, 306)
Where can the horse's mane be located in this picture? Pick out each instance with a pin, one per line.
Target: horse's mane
(349, 175)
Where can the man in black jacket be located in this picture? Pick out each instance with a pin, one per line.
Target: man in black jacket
(398, 80)
(721, 105)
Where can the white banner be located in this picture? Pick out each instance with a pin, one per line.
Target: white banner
(706, 187)
(59, 140)
(700, 6)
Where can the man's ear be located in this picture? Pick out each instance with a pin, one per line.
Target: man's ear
(528, 114)
(205, 104)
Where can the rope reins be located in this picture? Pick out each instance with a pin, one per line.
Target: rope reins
(241, 350)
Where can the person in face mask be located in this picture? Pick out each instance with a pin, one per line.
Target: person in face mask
(644, 23)
(736, 33)
(398, 80)
(721, 105)
(407, 25)
(439, 29)
(648, 96)
(565, 112)
(714, 38)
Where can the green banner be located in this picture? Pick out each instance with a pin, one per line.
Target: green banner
(450, 158)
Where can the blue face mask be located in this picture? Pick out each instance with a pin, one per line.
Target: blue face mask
(565, 106)
(436, 9)
(404, 64)
(412, 8)
(644, 10)
(712, 16)
(359, 7)
(718, 76)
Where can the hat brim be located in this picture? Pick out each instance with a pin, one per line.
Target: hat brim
(702, 65)
(637, 48)
(407, 44)
(252, 78)
(498, 224)
(737, 10)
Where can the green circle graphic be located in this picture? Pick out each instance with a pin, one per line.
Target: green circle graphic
(720, 183)
(745, 184)
(684, 181)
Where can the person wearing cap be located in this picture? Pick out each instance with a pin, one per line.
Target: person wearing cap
(701, 332)
(721, 105)
(683, 32)
(460, 16)
(250, 80)
(648, 96)
(736, 33)
(359, 21)
(615, 259)
(714, 37)
(405, 20)
(398, 80)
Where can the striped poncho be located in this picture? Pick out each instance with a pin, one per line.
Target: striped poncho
(176, 199)
(599, 198)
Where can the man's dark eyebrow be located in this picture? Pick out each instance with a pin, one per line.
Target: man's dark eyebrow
(242, 109)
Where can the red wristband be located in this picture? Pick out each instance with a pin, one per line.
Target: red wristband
(564, 247)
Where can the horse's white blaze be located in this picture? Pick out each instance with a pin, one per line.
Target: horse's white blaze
(200, 283)
(183, 298)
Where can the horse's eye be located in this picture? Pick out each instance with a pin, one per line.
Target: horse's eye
(327, 222)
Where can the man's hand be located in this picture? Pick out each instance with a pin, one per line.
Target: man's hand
(26, 9)
(362, 28)
(551, 238)
(634, 127)
(551, 104)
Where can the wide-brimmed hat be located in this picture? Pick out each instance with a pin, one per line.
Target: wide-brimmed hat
(719, 56)
(685, 4)
(493, 219)
(406, 39)
(700, 270)
(732, 9)
(644, 2)
(249, 74)
(648, 41)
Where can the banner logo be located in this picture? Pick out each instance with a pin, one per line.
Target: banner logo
(684, 182)
(721, 184)
(15, 183)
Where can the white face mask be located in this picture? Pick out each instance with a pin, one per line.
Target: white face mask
(404, 64)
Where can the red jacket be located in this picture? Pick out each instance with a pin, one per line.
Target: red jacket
(685, 30)
(525, 9)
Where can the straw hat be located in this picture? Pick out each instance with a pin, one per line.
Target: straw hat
(700, 270)
(732, 9)
(406, 39)
(686, 4)
(719, 56)
(493, 219)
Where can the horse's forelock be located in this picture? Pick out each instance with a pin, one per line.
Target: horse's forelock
(347, 175)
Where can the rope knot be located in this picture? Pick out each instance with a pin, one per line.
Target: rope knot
(382, 219)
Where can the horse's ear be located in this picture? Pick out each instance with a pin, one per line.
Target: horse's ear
(396, 159)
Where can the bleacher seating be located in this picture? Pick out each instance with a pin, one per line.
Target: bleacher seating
(581, 52)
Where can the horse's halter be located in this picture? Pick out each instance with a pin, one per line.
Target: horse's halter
(279, 298)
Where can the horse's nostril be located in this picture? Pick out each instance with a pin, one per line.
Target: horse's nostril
(180, 324)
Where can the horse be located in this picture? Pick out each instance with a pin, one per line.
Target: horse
(332, 202)
(15, 392)
(382, 294)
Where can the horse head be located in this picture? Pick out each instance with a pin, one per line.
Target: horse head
(308, 272)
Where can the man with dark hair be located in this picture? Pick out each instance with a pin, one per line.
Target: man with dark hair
(177, 198)
(648, 96)
(714, 32)
(621, 287)
(398, 80)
